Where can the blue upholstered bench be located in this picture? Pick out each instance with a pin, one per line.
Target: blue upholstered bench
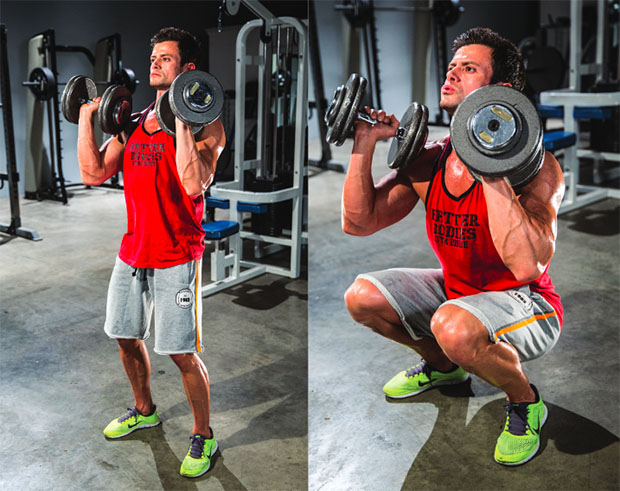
(219, 229)
(224, 204)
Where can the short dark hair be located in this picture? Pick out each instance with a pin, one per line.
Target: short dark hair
(189, 48)
(506, 60)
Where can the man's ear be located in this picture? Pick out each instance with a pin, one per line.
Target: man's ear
(190, 66)
(504, 83)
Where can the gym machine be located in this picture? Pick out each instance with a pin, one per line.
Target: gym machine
(44, 177)
(12, 177)
(273, 180)
(573, 104)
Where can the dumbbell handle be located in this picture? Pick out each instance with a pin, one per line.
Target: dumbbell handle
(400, 132)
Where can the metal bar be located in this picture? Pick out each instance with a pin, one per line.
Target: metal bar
(319, 88)
(14, 228)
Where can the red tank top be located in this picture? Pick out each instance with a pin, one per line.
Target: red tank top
(163, 223)
(458, 230)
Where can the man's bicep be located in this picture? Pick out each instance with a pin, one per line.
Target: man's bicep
(112, 152)
(394, 198)
(541, 198)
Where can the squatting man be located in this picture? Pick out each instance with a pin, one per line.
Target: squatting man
(492, 305)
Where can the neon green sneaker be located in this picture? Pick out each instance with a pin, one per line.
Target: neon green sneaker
(520, 439)
(198, 458)
(132, 421)
(420, 378)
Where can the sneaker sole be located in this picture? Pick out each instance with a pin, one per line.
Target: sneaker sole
(430, 386)
(533, 454)
(133, 429)
(208, 467)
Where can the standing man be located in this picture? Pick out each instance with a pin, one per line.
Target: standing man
(158, 268)
(492, 305)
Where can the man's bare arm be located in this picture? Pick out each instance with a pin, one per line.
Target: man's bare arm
(524, 227)
(197, 160)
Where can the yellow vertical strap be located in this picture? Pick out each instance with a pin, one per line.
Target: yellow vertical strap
(197, 298)
(525, 322)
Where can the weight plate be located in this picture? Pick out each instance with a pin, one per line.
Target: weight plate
(497, 162)
(196, 98)
(79, 90)
(127, 78)
(411, 137)
(45, 80)
(520, 179)
(334, 106)
(114, 110)
(165, 118)
(232, 6)
(354, 110)
(334, 133)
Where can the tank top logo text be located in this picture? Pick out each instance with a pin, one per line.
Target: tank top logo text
(146, 154)
(454, 229)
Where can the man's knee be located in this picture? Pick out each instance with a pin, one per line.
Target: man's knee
(364, 300)
(185, 361)
(459, 333)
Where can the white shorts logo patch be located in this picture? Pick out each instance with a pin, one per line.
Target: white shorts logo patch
(185, 298)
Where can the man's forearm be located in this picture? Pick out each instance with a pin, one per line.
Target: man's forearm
(196, 169)
(88, 154)
(358, 195)
(525, 243)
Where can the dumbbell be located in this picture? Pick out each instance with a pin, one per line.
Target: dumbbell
(114, 109)
(195, 97)
(345, 108)
(496, 132)
(42, 82)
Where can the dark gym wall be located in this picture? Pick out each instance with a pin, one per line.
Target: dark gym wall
(513, 19)
(83, 23)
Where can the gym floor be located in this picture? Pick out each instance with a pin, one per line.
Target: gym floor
(293, 407)
(62, 379)
(444, 438)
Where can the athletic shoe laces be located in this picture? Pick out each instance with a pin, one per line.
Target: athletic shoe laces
(197, 446)
(517, 418)
(423, 367)
(133, 413)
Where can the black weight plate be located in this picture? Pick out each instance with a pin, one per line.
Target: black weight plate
(196, 97)
(46, 83)
(114, 110)
(502, 163)
(354, 110)
(335, 132)
(415, 125)
(78, 91)
(127, 78)
(334, 106)
(164, 115)
(525, 176)
(165, 118)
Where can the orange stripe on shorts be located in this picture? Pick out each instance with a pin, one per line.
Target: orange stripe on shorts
(525, 322)
(197, 298)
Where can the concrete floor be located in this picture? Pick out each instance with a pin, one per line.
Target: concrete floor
(62, 380)
(444, 438)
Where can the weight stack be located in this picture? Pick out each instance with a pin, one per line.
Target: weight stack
(278, 215)
(605, 133)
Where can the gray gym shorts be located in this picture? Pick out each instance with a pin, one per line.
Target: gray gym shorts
(520, 317)
(171, 296)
